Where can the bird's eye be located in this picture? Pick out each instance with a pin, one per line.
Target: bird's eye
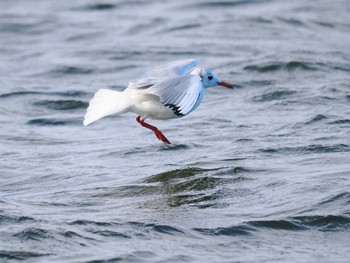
(210, 77)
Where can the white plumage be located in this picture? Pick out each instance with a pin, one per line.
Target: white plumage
(168, 91)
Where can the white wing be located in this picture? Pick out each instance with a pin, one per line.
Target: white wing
(181, 94)
(170, 70)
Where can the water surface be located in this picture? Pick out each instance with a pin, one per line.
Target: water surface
(257, 174)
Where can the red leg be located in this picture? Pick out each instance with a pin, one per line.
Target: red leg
(157, 132)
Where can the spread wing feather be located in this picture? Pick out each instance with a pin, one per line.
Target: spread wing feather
(181, 94)
(170, 70)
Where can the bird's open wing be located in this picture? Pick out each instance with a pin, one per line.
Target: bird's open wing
(170, 70)
(181, 94)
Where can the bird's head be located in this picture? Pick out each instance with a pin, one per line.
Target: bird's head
(209, 79)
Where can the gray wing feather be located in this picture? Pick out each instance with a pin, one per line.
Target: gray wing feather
(170, 70)
(180, 93)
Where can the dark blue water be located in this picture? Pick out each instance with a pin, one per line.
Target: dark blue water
(257, 174)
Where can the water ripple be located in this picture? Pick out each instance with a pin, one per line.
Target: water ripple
(226, 231)
(341, 122)
(62, 104)
(19, 255)
(315, 119)
(15, 219)
(176, 174)
(274, 95)
(301, 223)
(70, 93)
(70, 70)
(227, 4)
(313, 148)
(99, 6)
(167, 230)
(54, 122)
(277, 66)
(261, 173)
(33, 234)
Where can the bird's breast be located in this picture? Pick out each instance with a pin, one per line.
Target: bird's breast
(148, 105)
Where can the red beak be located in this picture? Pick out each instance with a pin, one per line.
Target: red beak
(225, 84)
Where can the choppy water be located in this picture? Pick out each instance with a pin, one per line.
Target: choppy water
(257, 174)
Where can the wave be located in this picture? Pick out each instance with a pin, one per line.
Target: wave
(311, 222)
(109, 228)
(50, 235)
(105, 6)
(89, 222)
(324, 223)
(313, 148)
(317, 118)
(136, 256)
(19, 255)
(280, 66)
(15, 219)
(70, 93)
(100, 6)
(292, 21)
(28, 28)
(33, 234)
(193, 186)
(259, 83)
(198, 179)
(62, 104)
(71, 70)
(184, 27)
(225, 231)
(225, 4)
(109, 233)
(274, 95)
(145, 27)
(176, 174)
(196, 186)
(340, 199)
(54, 122)
(341, 121)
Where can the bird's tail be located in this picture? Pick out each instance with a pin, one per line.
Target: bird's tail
(104, 103)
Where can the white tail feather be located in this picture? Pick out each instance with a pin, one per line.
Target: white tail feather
(104, 103)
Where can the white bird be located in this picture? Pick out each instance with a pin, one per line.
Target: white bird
(172, 90)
